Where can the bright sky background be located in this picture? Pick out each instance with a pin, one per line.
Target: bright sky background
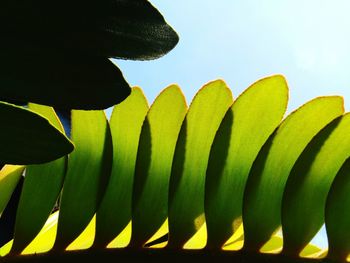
(241, 41)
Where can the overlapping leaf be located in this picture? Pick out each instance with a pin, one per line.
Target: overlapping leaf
(126, 122)
(131, 29)
(271, 169)
(234, 149)
(41, 188)
(57, 53)
(88, 172)
(309, 183)
(159, 134)
(186, 194)
(28, 138)
(289, 167)
(337, 214)
(61, 80)
(9, 178)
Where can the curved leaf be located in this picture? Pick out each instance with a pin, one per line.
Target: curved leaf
(303, 207)
(337, 215)
(41, 188)
(131, 29)
(274, 246)
(45, 239)
(186, 194)
(270, 171)
(304, 154)
(61, 80)
(28, 138)
(88, 171)
(235, 147)
(126, 122)
(7, 219)
(9, 178)
(158, 138)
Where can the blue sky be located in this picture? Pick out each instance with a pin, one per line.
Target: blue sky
(241, 41)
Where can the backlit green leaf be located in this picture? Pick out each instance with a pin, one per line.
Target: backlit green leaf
(208, 153)
(186, 199)
(42, 185)
(28, 138)
(88, 171)
(304, 199)
(154, 160)
(247, 125)
(114, 212)
(270, 171)
(9, 178)
(337, 215)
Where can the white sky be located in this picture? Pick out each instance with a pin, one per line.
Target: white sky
(241, 41)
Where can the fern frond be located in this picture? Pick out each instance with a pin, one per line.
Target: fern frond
(215, 181)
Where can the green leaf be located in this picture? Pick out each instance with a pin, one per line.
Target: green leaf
(235, 147)
(291, 174)
(186, 195)
(270, 171)
(61, 80)
(131, 29)
(274, 246)
(9, 178)
(28, 138)
(41, 188)
(126, 122)
(88, 171)
(304, 199)
(45, 239)
(49, 113)
(154, 160)
(337, 215)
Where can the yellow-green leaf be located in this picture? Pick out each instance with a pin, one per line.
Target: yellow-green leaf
(41, 188)
(88, 171)
(270, 171)
(304, 199)
(159, 134)
(186, 195)
(114, 212)
(247, 125)
(9, 178)
(337, 215)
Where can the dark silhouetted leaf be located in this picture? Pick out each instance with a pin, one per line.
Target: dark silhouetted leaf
(28, 138)
(131, 29)
(61, 80)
